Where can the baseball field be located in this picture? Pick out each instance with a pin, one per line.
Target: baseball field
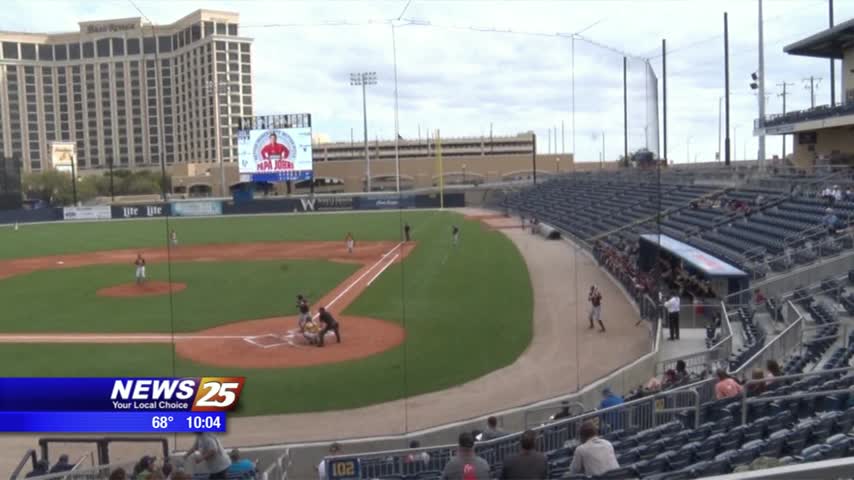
(416, 316)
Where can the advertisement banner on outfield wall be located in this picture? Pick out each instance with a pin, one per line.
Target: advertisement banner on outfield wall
(385, 202)
(325, 204)
(205, 208)
(140, 211)
(102, 212)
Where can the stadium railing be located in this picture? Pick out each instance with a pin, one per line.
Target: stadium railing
(762, 399)
(29, 456)
(278, 469)
(641, 414)
(98, 472)
(705, 360)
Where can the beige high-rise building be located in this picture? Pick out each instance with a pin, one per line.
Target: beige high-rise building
(127, 92)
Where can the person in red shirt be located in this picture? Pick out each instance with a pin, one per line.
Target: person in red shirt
(277, 153)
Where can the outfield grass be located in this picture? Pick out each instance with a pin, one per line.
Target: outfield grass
(467, 309)
(217, 293)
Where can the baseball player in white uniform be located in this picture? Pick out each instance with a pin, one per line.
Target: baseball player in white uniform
(140, 269)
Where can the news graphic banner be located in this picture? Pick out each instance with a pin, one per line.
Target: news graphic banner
(117, 405)
(275, 155)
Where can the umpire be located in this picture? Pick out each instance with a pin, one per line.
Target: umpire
(329, 325)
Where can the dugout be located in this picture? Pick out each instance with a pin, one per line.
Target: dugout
(725, 279)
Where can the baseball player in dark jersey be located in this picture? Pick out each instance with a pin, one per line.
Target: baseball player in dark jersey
(304, 312)
(455, 235)
(329, 325)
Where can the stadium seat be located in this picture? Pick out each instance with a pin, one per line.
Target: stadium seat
(618, 473)
(649, 467)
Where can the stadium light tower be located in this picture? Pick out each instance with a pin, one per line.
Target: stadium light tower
(363, 80)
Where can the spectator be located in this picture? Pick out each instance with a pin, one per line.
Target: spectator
(837, 193)
(334, 449)
(754, 389)
(831, 221)
(758, 297)
(422, 457)
(143, 468)
(240, 467)
(156, 475)
(669, 378)
(211, 453)
(563, 412)
(595, 455)
(672, 306)
(39, 469)
(681, 371)
(179, 475)
(726, 387)
(120, 474)
(62, 465)
(773, 369)
(527, 464)
(466, 465)
(760, 199)
(610, 399)
(492, 431)
(166, 469)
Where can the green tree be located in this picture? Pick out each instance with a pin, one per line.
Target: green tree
(55, 187)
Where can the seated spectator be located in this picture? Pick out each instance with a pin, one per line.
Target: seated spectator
(492, 431)
(595, 455)
(528, 463)
(760, 199)
(166, 469)
(40, 468)
(422, 457)
(610, 399)
(726, 387)
(143, 468)
(466, 465)
(563, 412)
(120, 474)
(62, 465)
(681, 371)
(240, 467)
(653, 385)
(831, 221)
(754, 389)
(669, 378)
(334, 449)
(758, 297)
(773, 369)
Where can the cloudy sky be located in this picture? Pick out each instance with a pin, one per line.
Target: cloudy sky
(467, 66)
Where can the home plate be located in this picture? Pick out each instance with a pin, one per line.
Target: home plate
(60, 262)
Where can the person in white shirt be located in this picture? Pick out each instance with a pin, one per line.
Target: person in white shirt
(334, 449)
(595, 455)
(672, 305)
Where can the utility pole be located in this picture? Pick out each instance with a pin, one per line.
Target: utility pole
(784, 94)
(813, 85)
(720, 101)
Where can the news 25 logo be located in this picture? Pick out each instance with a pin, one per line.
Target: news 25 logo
(205, 394)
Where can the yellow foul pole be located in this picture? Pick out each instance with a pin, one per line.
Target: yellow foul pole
(439, 167)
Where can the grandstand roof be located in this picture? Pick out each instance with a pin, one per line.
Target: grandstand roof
(830, 43)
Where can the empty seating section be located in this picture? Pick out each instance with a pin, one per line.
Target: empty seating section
(756, 229)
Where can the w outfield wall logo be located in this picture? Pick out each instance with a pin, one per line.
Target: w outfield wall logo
(325, 204)
(140, 211)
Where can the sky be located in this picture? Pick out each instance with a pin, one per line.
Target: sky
(470, 67)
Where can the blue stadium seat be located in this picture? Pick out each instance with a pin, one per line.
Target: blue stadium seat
(618, 474)
(710, 468)
(649, 467)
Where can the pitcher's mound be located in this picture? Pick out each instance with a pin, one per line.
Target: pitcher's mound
(147, 289)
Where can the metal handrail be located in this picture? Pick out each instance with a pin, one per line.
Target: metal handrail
(29, 455)
(745, 400)
(513, 437)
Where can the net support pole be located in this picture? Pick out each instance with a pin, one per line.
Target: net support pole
(726, 91)
(625, 113)
(440, 168)
(534, 157)
(664, 92)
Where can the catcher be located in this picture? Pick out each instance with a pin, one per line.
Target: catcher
(311, 332)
